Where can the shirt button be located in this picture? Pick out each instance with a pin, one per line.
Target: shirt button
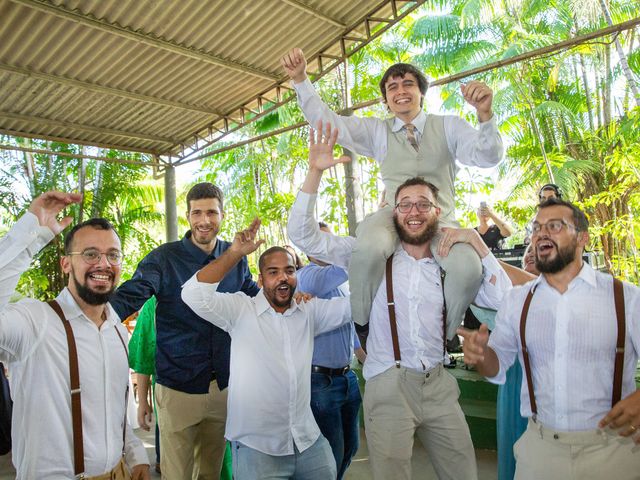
(556, 436)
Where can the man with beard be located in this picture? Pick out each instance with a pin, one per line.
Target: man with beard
(270, 422)
(49, 441)
(191, 355)
(580, 334)
(408, 391)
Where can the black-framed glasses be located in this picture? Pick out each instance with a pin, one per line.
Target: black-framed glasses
(552, 226)
(423, 206)
(91, 256)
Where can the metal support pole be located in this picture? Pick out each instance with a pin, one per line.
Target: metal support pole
(171, 215)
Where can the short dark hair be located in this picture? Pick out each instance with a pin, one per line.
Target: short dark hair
(97, 223)
(400, 70)
(417, 181)
(271, 251)
(579, 218)
(322, 224)
(550, 186)
(204, 190)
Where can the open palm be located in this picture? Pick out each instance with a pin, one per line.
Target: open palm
(321, 143)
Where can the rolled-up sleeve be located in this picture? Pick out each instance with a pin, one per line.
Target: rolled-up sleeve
(220, 309)
(305, 234)
(504, 338)
(495, 284)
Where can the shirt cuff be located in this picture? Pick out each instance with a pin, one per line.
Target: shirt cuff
(303, 89)
(28, 230)
(491, 123)
(193, 282)
(490, 265)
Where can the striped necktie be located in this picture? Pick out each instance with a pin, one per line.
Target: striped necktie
(411, 136)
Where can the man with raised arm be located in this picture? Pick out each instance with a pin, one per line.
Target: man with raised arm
(576, 333)
(49, 441)
(270, 423)
(409, 144)
(408, 391)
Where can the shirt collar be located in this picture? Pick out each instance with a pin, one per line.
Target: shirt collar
(587, 275)
(417, 122)
(72, 310)
(197, 253)
(403, 253)
(262, 305)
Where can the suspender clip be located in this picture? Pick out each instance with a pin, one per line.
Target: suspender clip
(397, 363)
(619, 350)
(75, 391)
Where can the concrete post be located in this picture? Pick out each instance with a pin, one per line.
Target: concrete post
(170, 207)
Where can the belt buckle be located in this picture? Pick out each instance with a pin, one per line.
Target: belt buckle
(345, 370)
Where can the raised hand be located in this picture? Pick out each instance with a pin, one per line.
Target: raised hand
(245, 241)
(480, 96)
(474, 345)
(295, 65)
(47, 207)
(450, 236)
(321, 143)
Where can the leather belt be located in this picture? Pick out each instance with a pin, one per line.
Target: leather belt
(330, 371)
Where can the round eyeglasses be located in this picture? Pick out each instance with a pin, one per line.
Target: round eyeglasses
(91, 256)
(423, 206)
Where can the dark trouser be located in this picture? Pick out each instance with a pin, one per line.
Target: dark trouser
(335, 402)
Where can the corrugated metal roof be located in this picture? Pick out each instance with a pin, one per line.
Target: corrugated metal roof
(159, 75)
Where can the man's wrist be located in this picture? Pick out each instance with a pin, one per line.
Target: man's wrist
(299, 78)
(485, 116)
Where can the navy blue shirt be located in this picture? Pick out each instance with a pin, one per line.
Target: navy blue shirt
(188, 349)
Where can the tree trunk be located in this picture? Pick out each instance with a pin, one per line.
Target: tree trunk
(624, 64)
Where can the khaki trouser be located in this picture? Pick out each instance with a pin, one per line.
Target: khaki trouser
(119, 472)
(543, 453)
(399, 403)
(191, 432)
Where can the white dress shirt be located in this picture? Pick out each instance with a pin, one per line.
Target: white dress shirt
(571, 339)
(367, 136)
(268, 408)
(417, 293)
(33, 344)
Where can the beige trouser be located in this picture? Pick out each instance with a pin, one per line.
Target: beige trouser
(399, 403)
(119, 472)
(191, 432)
(377, 239)
(543, 453)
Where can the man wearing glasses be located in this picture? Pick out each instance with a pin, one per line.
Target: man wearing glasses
(408, 391)
(576, 333)
(38, 352)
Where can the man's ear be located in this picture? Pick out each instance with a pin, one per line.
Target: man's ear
(583, 239)
(65, 263)
(259, 280)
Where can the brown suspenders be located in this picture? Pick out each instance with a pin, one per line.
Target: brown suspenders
(76, 405)
(392, 313)
(618, 296)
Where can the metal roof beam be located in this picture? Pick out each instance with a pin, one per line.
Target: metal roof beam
(74, 141)
(312, 11)
(77, 155)
(143, 37)
(86, 128)
(324, 53)
(104, 90)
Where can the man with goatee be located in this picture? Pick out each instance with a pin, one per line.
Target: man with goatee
(67, 358)
(192, 356)
(408, 391)
(576, 333)
(270, 422)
